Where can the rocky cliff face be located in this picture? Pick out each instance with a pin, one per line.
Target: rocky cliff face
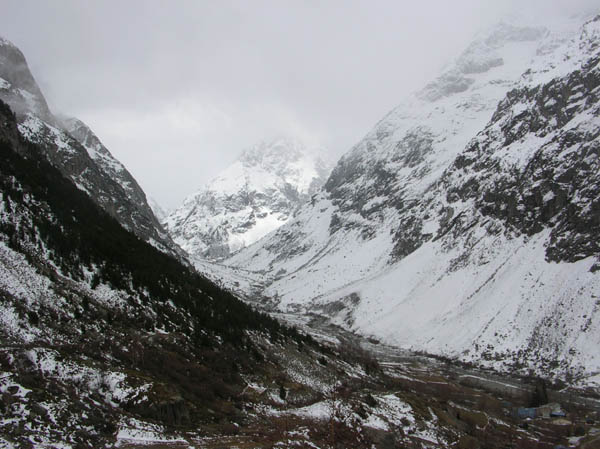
(255, 195)
(75, 150)
(536, 165)
(466, 222)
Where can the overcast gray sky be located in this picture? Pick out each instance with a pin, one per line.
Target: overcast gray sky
(176, 89)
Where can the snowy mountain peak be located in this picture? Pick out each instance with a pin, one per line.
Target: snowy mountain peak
(291, 160)
(250, 198)
(277, 148)
(278, 153)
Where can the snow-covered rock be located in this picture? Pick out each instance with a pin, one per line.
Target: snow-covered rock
(255, 195)
(466, 222)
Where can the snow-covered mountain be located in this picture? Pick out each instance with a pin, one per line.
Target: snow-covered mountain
(75, 150)
(255, 195)
(467, 222)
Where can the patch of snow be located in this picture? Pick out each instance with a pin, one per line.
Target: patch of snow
(133, 431)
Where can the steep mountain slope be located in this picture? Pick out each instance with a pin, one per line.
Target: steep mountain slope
(74, 149)
(436, 235)
(99, 329)
(255, 195)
